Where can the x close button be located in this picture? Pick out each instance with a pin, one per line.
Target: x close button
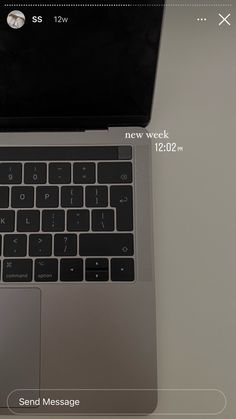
(224, 20)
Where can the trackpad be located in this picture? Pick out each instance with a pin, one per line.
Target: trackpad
(19, 341)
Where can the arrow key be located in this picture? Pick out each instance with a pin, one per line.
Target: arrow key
(97, 269)
(97, 264)
(97, 275)
(71, 270)
(122, 269)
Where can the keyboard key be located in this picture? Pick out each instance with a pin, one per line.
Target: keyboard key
(7, 221)
(71, 270)
(4, 197)
(71, 196)
(17, 270)
(103, 220)
(84, 173)
(97, 270)
(114, 172)
(47, 196)
(46, 270)
(97, 276)
(96, 196)
(122, 199)
(10, 173)
(53, 220)
(122, 269)
(78, 220)
(40, 245)
(97, 264)
(102, 244)
(125, 152)
(59, 173)
(15, 245)
(28, 221)
(35, 173)
(22, 197)
(65, 244)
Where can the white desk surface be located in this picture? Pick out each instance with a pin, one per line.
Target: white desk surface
(195, 208)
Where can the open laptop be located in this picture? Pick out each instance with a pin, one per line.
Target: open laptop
(77, 296)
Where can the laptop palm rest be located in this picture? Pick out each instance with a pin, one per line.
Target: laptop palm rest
(19, 343)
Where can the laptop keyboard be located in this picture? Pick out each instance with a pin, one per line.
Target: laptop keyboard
(66, 214)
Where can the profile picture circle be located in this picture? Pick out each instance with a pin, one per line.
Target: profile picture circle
(16, 19)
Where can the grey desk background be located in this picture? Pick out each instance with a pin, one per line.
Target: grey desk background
(195, 210)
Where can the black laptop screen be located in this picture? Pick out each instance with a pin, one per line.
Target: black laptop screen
(91, 63)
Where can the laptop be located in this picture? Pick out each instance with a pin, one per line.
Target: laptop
(77, 284)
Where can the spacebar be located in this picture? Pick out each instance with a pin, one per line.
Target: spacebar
(106, 244)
